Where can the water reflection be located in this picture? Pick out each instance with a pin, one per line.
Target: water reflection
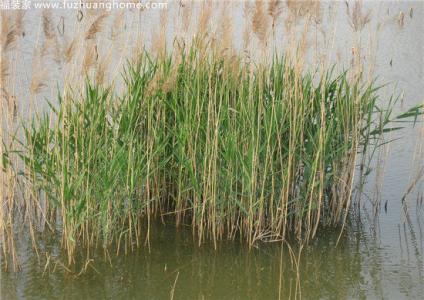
(361, 266)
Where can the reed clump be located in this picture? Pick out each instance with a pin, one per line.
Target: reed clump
(236, 150)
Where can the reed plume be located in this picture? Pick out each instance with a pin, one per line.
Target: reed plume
(96, 26)
(274, 10)
(260, 22)
(225, 30)
(90, 56)
(70, 50)
(9, 32)
(159, 35)
(38, 81)
(48, 25)
(357, 17)
(101, 70)
(19, 22)
(204, 17)
(39, 73)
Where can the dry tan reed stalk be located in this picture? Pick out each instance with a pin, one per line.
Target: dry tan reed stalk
(137, 49)
(4, 72)
(3, 233)
(383, 155)
(247, 25)
(401, 19)
(11, 26)
(2, 192)
(415, 180)
(417, 170)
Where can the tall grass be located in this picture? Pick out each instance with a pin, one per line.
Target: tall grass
(10, 30)
(235, 149)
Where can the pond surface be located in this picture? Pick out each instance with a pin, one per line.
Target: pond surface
(379, 256)
(361, 266)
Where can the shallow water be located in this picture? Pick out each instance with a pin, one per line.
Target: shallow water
(380, 256)
(361, 266)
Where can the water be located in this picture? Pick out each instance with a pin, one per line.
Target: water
(361, 266)
(379, 256)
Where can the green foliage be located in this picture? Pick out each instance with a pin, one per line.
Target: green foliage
(235, 149)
